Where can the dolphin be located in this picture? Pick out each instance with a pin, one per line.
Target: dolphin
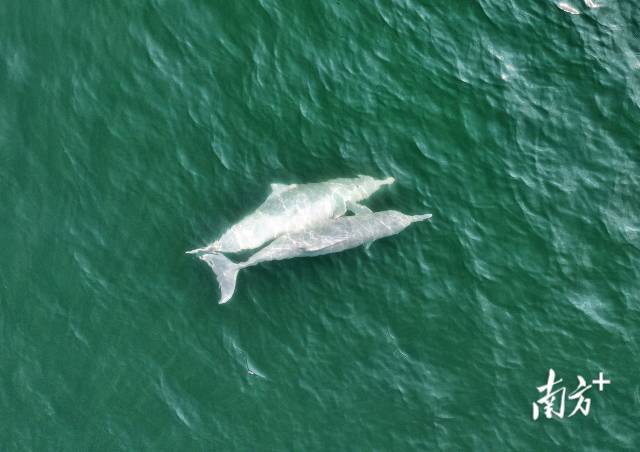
(329, 237)
(291, 208)
(568, 8)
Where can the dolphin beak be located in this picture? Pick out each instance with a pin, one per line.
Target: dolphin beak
(415, 218)
(387, 181)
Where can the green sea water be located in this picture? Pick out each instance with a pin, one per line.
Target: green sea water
(132, 131)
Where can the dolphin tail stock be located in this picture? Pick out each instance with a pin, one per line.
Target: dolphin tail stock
(197, 251)
(226, 273)
(207, 249)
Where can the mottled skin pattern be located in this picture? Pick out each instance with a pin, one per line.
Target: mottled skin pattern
(293, 208)
(335, 235)
(330, 236)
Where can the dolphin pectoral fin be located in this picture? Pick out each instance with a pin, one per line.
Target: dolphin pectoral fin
(276, 189)
(358, 209)
(367, 246)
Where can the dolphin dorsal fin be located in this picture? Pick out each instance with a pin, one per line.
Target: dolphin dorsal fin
(276, 189)
(357, 209)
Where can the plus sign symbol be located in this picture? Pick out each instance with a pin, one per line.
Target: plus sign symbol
(600, 382)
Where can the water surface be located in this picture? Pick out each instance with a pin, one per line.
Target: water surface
(133, 131)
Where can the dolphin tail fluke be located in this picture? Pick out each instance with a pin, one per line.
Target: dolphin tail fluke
(226, 272)
(421, 217)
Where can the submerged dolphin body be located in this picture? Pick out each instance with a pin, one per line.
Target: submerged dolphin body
(291, 208)
(330, 237)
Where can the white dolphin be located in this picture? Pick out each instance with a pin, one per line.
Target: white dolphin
(329, 237)
(568, 8)
(291, 208)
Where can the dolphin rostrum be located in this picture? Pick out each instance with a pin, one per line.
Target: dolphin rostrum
(291, 208)
(329, 237)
